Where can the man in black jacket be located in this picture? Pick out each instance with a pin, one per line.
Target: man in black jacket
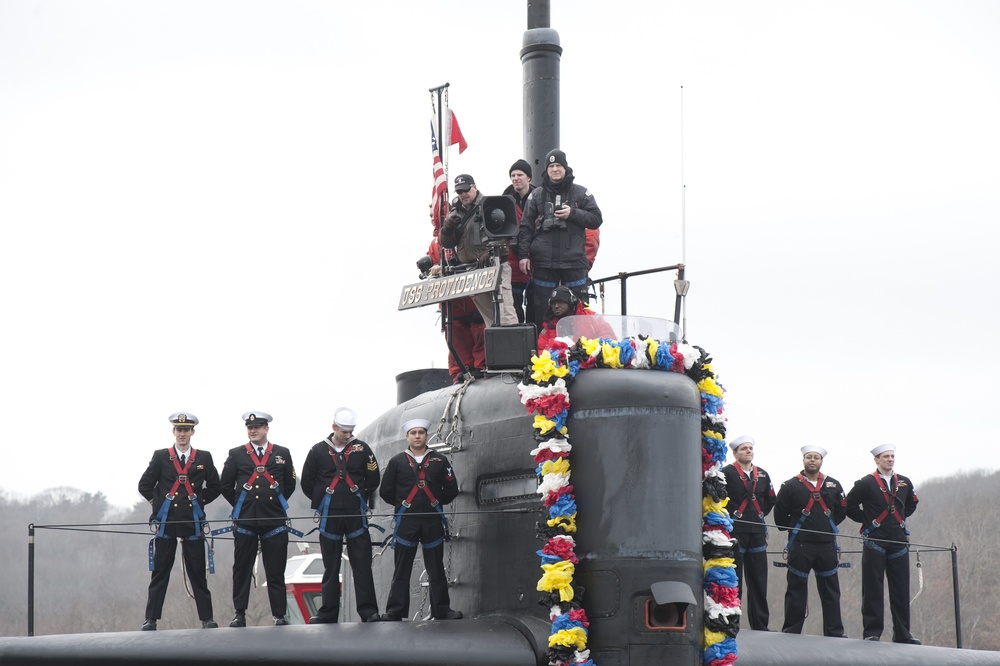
(340, 477)
(418, 483)
(179, 482)
(811, 505)
(552, 237)
(881, 502)
(257, 479)
(751, 497)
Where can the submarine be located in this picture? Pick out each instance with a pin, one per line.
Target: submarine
(635, 438)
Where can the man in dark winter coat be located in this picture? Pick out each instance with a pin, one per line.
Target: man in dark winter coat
(881, 502)
(811, 505)
(257, 479)
(418, 482)
(552, 238)
(179, 482)
(340, 477)
(751, 498)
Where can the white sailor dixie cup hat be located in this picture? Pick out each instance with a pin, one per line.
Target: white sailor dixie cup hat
(345, 418)
(745, 439)
(882, 448)
(416, 423)
(813, 448)
(184, 419)
(256, 418)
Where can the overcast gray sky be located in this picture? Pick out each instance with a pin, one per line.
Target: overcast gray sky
(211, 206)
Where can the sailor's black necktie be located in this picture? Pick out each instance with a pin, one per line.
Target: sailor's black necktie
(183, 460)
(260, 453)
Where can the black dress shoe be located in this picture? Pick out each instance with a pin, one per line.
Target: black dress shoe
(240, 620)
(451, 615)
(374, 618)
(872, 638)
(280, 621)
(149, 625)
(209, 624)
(321, 619)
(389, 617)
(909, 641)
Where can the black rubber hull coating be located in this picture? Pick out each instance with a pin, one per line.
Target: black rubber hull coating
(759, 648)
(484, 642)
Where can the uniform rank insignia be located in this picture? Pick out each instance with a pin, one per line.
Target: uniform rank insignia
(372, 465)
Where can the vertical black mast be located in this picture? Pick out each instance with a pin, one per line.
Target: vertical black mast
(540, 57)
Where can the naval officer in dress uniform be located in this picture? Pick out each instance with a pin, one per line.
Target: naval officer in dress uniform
(257, 480)
(179, 482)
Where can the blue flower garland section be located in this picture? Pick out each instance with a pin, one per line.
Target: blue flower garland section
(545, 394)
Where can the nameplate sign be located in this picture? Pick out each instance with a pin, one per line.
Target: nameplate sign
(435, 290)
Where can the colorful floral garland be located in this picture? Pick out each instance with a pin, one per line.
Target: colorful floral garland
(546, 396)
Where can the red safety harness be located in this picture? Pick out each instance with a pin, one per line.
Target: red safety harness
(260, 467)
(341, 471)
(419, 471)
(751, 495)
(890, 503)
(182, 475)
(814, 495)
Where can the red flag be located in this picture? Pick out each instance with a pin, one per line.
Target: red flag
(439, 193)
(453, 133)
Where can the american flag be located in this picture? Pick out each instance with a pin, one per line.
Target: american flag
(439, 194)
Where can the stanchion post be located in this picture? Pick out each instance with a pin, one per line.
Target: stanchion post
(958, 605)
(31, 579)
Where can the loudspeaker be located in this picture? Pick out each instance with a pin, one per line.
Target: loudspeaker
(499, 217)
(510, 347)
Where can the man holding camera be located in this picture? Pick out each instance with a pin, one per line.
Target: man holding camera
(462, 230)
(552, 238)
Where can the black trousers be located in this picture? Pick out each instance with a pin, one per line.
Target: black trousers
(274, 552)
(425, 530)
(875, 567)
(540, 277)
(359, 553)
(751, 568)
(821, 557)
(164, 552)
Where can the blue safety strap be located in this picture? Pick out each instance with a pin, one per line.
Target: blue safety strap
(211, 550)
(239, 503)
(805, 514)
(756, 549)
(413, 544)
(879, 549)
(321, 515)
(266, 535)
